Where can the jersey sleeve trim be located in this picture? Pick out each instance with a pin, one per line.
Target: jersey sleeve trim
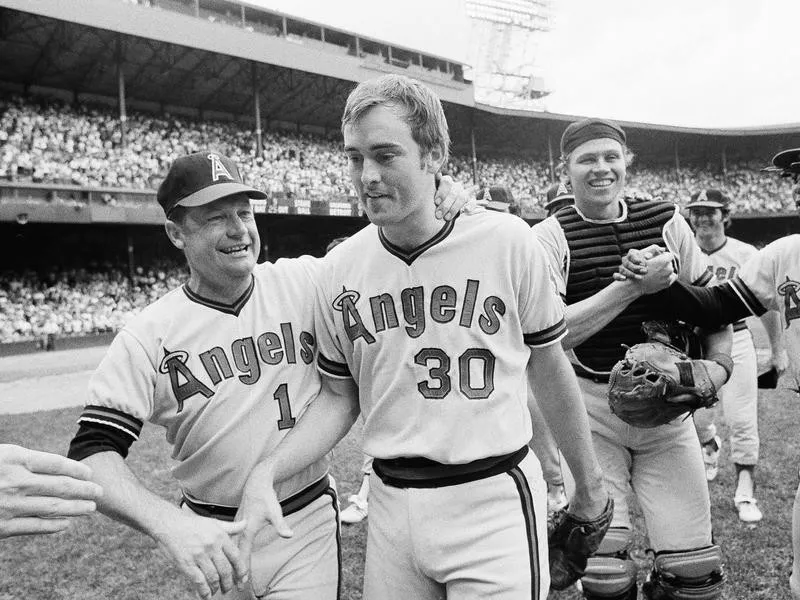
(332, 368)
(547, 336)
(750, 300)
(703, 279)
(110, 417)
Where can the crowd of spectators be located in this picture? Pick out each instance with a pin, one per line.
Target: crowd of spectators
(52, 142)
(77, 302)
(47, 141)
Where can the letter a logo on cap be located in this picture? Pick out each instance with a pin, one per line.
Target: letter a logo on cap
(218, 169)
(562, 189)
(702, 197)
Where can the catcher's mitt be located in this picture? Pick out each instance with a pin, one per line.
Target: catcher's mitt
(572, 542)
(656, 383)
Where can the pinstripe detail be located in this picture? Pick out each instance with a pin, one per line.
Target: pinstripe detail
(409, 257)
(229, 309)
(546, 336)
(750, 300)
(332, 368)
(111, 417)
(335, 503)
(703, 279)
(528, 512)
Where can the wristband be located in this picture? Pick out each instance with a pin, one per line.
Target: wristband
(724, 361)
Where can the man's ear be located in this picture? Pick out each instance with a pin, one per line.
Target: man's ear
(175, 234)
(434, 160)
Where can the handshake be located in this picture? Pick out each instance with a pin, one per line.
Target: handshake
(652, 268)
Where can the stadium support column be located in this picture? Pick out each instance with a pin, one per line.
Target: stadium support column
(131, 259)
(677, 162)
(724, 158)
(123, 115)
(474, 156)
(257, 107)
(550, 155)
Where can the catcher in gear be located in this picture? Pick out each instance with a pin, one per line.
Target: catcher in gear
(657, 382)
(586, 243)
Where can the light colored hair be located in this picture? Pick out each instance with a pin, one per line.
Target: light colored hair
(421, 108)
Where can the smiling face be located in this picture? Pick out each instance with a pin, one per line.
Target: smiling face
(597, 170)
(393, 177)
(707, 220)
(221, 244)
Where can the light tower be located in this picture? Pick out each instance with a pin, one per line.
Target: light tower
(505, 37)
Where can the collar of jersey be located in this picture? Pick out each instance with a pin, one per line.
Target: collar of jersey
(622, 217)
(409, 256)
(717, 249)
(230, 309)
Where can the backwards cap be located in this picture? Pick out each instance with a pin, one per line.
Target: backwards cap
(583, 131)
(201, 178)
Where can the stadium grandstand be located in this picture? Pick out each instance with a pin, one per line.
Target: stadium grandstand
(95, 103)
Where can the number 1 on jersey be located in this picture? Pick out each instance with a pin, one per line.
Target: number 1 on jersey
(282, 396)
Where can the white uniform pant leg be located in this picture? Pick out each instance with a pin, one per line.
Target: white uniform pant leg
(669, 480)
(608, 434)
(306, 566)
(481, 539)
(662, 466)
(739, 400)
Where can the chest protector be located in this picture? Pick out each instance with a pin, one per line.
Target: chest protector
(596, 250)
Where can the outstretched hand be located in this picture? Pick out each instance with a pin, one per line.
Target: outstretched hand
(40, 491)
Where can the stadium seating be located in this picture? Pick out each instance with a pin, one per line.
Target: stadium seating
(51, 142)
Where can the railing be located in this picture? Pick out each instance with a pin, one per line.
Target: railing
(25, 202)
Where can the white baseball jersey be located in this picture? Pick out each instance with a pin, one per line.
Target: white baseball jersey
(771, 281)
(437, 338)
(724, 262)
(226, 381)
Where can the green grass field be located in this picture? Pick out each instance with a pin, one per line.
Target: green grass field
(100, 559)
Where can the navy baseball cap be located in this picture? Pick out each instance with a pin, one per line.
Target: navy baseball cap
(709, 198)
(200, 178)
(558, 195)
(786, 162)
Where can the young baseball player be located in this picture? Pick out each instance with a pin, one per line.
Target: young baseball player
(226, 365)
(662, 466)
(709, 215)
(440, 328)
(41, 492)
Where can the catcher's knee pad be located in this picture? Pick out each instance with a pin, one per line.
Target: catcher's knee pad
(686, 575)
(610, 574)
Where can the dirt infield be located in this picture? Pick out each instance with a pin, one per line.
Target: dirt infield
(46, 380)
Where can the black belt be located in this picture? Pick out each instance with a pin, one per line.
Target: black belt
(290, 505)
(420, 472)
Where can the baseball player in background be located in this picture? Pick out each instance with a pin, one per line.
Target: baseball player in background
(709, 215)
(225, 364)
(41, 492)
(437, 326)
(662, 466)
